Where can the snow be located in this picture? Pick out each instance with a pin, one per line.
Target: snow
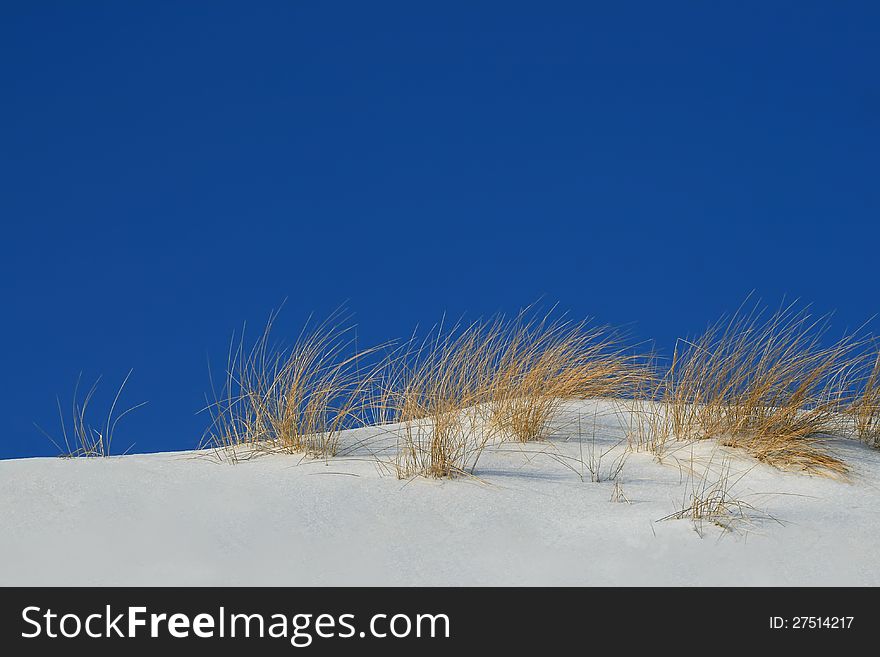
(525, 518)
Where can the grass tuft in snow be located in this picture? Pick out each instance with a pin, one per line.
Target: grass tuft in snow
(769, 386)
(711, 499)
(498, 379)
(79, 436)
(292, 399)
(866, 408)
(540, 363)
(434, 391)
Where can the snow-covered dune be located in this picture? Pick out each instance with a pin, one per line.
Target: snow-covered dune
(531, 516)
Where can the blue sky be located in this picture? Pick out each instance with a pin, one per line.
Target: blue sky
(171, 170)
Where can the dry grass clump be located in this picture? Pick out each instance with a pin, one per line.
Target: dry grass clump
(81, 438)
(541, 363)
(500, 378)
(866, 409)
(770, 386)
(296, 399)
(434, 392)
(712, 498)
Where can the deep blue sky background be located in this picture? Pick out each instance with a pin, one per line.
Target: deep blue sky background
(169, 170)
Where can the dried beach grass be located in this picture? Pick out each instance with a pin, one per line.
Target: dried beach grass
(542, 363)
(294, 400)
(81, 438)
(495, 379)
(772, 387)
(433, 391)
(712, 498)
(866, 409)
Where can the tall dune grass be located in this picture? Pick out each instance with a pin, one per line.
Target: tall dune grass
(866, 409)
(433, 390)
(293, 399)
(541, 363)
(495, 379)
(772, 386)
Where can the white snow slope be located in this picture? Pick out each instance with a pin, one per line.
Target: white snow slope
(526, 519)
